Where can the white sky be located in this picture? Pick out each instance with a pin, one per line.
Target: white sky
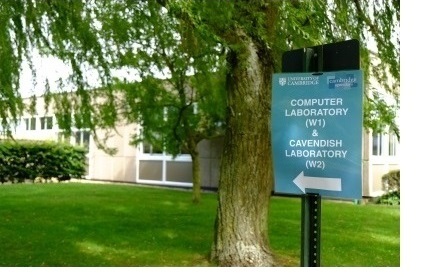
(53, 69)
(46, 68)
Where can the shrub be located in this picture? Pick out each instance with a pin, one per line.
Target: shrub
(28, 160)
(391, 182)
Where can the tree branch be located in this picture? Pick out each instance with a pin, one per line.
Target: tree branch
(373, 28)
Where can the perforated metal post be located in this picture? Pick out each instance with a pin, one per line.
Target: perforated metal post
(310, 229)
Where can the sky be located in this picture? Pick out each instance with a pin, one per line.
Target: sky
(53, 69)
(46, 68)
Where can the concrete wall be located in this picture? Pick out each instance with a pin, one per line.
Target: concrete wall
(210, 154)
(120, 167)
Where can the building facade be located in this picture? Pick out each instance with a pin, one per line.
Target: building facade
(143, 164)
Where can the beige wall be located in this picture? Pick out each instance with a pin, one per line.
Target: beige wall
(20, 131)
(374, 167)
(119, 167)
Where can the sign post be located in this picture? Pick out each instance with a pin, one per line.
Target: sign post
(317, 134)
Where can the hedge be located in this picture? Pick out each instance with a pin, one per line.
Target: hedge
(21, 161)
(392, 183)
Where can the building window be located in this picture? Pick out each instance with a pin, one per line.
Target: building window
(146, 147)
(82, 138)
(376, 144)
(46, 123)
(393, 143)
(30, 123)
(150, 149)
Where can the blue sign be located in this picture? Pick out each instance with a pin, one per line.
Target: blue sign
(316, 121)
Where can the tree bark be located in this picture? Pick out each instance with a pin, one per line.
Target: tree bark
(196, 176)
(246, 180)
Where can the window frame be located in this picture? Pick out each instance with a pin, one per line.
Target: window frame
(46, 123)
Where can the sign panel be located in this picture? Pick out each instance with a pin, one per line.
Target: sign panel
(316, 126)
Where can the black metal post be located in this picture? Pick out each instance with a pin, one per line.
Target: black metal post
(310, 229)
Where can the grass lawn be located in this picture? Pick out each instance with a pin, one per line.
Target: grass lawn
(111, 225)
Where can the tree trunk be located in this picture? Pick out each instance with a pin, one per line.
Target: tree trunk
(246, 180)
(196, 177)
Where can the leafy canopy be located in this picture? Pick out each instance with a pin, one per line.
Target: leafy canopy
(143, 38)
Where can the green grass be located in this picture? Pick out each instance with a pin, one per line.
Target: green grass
(109, 225)
(351, 235)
